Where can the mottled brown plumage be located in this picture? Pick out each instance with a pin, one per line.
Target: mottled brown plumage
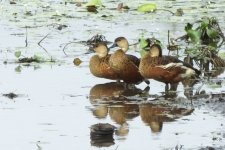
(125, 65)
(167, 69)
(99, 64)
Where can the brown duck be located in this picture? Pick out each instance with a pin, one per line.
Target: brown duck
(167, 69)
(99, 63)
(125, 65)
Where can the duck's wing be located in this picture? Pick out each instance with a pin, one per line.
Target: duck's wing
(169, 62)
(133, 59)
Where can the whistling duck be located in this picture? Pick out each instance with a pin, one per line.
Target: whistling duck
(124, 64)
(167, 69)
(99, 63)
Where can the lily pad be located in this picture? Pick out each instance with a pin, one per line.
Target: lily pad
(147, 8)
(17, 54)
(94, 3)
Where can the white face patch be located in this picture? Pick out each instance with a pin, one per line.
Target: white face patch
(154, 52)
(102, 54)
(124, 49)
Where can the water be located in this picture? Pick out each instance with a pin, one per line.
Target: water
(55, 106)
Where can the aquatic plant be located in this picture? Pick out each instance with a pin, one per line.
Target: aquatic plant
(204, 38)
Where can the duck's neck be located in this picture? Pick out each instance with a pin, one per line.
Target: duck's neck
(124, 49)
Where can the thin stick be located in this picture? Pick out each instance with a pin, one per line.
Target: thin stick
(168, 37)
(26, 41)
(168, 41)
(66, 46)
(117, 147)
(39, 43)
(133, 44)
(166, 10)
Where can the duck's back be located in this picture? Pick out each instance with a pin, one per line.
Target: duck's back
(166, 69)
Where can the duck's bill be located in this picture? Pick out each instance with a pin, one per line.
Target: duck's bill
(112, 46)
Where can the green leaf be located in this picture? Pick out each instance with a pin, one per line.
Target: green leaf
(94, 3)
(204, 23)
(17, 54)
(37, 57)
(195, 35)
(212, 33)
(188, 27)
(221, 55)
(143, 43)
(143, 52)
(147, 8)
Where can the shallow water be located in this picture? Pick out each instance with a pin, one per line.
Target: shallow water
(58, 102)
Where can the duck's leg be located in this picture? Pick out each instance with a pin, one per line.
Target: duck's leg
(173, 87)
(117, 81)
(167, 87)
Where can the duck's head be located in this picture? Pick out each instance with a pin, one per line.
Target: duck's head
(155, 50)
(101, 49)
(122, 43)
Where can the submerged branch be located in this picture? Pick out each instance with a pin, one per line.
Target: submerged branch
(66, 46)
(26, 41)
(167, 11)
(39, 43)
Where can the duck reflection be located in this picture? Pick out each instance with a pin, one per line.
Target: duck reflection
(154, 115)
(120, 114)
(122, 103)
(115, 91)
(119, 101)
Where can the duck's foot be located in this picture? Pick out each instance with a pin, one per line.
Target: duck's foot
(118, 81)
(147, 81)
(129, 86)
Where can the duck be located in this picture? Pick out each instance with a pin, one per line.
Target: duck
(124, 64)
(166, 69)
(99, 63)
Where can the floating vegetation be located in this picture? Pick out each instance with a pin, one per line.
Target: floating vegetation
(121, 6)
(29, 60)
(92, 8)
(11, 95)
(94, 3)
(145, 43)
(77, 61)
(147, 8)
(96, 39)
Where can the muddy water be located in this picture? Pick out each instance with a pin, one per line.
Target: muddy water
(58, 102)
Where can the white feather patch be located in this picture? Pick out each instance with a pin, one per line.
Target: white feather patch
(188, 73)
(171, 65)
